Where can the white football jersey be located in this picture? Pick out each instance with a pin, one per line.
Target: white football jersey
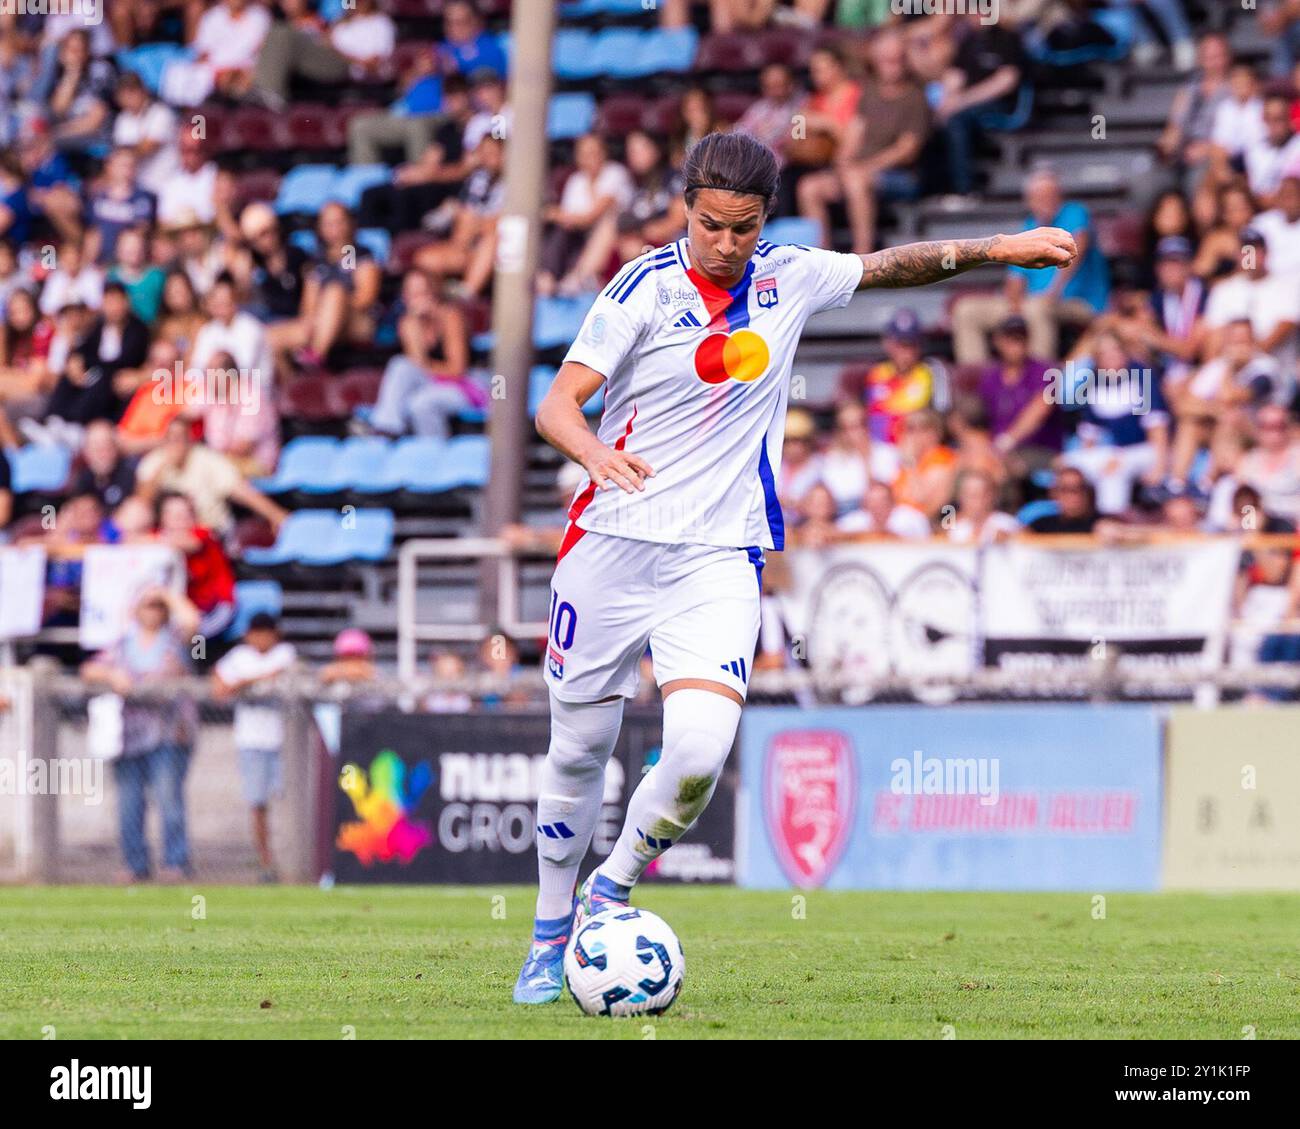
(696, 383)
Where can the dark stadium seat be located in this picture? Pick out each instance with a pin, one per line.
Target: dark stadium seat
(404, 248)
(619, 114)
(414, 9)
(730, 51)
(250, 533)
(256, 129)
(307, 127)
(788, 46)
(729, 105)
(257, 184)
(359, 386)
(1119, 236)
(312, 398)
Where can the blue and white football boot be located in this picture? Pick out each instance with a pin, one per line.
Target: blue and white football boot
(598, 894)
(541, 980)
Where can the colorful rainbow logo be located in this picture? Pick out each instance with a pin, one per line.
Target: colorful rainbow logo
(385, 831)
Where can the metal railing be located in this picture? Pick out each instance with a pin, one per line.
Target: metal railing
(411, 632)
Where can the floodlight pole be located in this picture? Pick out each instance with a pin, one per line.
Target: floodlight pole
(532, 26)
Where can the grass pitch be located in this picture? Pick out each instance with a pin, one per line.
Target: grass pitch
(390, 962)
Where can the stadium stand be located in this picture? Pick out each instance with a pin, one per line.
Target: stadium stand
(1090, 113)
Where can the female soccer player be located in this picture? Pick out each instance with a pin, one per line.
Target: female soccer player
(666, 534)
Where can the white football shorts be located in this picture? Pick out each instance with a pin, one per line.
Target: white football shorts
(697, 606)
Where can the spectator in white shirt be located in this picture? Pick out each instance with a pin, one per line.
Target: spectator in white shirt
(259, 727)
(978, 521)
(192, 187)
(853, 459)
(1281, 229)
(147, 128)
(1239, 120)
(1214, 405)
(358, 46)
(232, 331)
(583, 226)
(72, 282)
(1270, 302)
(881, 514)
(226, 44)
(1268, 160)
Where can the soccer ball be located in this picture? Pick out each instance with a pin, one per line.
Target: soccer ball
(624, 961)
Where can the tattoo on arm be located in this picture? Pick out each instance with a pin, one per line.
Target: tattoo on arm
(915, 264)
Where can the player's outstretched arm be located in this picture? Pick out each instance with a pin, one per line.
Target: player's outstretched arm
(561, 423)
(916, 264)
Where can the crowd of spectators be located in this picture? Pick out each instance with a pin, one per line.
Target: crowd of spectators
(128, 252)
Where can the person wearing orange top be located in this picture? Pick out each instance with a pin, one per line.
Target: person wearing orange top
(929, 471)
(902, 383)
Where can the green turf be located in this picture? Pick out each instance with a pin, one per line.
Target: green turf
(440, 962)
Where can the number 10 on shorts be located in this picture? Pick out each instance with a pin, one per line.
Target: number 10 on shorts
(563, 622)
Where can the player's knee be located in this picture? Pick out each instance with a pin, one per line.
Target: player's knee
(582, 736)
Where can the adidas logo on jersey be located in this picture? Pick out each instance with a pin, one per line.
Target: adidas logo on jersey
(737, 667)
(688, 319)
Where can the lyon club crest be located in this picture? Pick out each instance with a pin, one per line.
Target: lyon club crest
(766, 291)
(808, 791)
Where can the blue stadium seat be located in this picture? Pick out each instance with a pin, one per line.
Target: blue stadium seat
(408, 460)
(556, 321)
(327, 537)
(353, 180)
(539, 383)
(306, 460)
(464, 462)
(669, 50)
(620, 53)
(572, 55)
(305, 188)
(570, 115)
(372, 537)
(577, 9)
(251, 597)
(377, 241)
(1032, 511)
(360, 460)
(1122, 25)
(305, 240)
(793, 229)
(149, 60)
(39, 466)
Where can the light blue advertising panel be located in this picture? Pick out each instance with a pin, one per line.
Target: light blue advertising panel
(962, 798)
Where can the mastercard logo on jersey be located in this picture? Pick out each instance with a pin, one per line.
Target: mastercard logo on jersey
(742, 356)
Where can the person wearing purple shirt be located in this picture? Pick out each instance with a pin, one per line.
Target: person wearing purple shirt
(1022, 418)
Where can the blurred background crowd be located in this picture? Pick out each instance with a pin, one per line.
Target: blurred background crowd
(299, 202)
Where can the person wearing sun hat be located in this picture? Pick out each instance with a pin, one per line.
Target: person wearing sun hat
(800, 465)
(354, 655)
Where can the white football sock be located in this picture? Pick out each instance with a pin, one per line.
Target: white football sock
(699, 728)
(570, 790)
